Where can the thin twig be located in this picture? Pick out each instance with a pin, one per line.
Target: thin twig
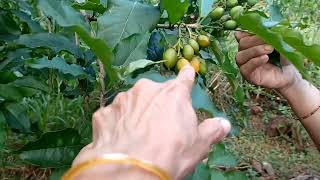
(102, 84)
(168, 26)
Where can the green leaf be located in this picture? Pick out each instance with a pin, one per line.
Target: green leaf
(295, 39)
(176, 9)
(205, 7)
(238, 175)
(219, 156)
(66, 16)
(59, 64)
(139, 64)
(24, 87)
(33, 25)
(3, 131)
(63, 13)
(202, 172)
(55, 42)
(9, 29)
(131, 49)
(91, 6)
(125, 18)
(217, 175)
(53, 149)
(269, 35)
(17, 117)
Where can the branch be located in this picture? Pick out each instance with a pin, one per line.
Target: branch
(168, 26)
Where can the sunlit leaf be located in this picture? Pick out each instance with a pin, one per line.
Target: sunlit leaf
(220, 156)
(125, 18)
(176, 9)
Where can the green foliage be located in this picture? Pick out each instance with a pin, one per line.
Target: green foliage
(50, 69)
(53, 149)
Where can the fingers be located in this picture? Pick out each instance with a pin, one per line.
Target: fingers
(186, 77)
(253, 64)
(250, 41)
(214, 130)
(239, 35)
(246, 55)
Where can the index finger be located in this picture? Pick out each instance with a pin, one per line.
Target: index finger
(186, 77)
(239, 35)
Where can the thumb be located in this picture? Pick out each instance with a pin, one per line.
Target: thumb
(214, 130)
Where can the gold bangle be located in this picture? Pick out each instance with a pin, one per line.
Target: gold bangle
(115, 158)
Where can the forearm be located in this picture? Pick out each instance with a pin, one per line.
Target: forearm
(304, 98)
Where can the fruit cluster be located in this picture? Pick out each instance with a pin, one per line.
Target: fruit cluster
(173, 57)
(227, 13)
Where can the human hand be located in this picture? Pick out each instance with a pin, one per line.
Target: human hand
(253, 58)
(155, 122)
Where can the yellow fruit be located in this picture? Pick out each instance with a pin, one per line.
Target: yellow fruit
(203, 41)
(171, 57)
(195, 63)
(181, 63)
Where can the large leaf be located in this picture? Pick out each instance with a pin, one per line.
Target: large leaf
(59, 64)
(125, 18)
(9, 29)
(53, 149)
(24, 17)
(261, 27)
(200, 98)
(220, 175)
(66, 16)
(220, 156)
(139, 64)
(176, 9)
(17, 117)
(131, 49)
(205, 7)
(88, 5)
(55, 42)
(202, 172)
(24, 87)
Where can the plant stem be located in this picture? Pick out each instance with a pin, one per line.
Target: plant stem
(102, 84)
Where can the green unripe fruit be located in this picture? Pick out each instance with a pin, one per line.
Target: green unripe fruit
(230, 25)
(203, 67)
(236, 12)
(193, 43)
(188, 52)
(252, 2)
(217, 13)
(171, 57)
(203, 41)
(232, 3)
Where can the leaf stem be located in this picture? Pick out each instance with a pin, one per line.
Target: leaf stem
(168, 26)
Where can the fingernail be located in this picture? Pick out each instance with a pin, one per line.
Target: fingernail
(268, 48)
(226, 125)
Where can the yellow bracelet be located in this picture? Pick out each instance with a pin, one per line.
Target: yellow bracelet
(115, 158)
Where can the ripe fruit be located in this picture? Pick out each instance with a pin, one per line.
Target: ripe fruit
(217, 13)
(252, 2)
(195, 63)
(181, 63)
(188, 52)
(232, 3)
(193, 43)
(203, 41)
(203, 67)
(235, 12)
(230, 25)
(170, 55)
